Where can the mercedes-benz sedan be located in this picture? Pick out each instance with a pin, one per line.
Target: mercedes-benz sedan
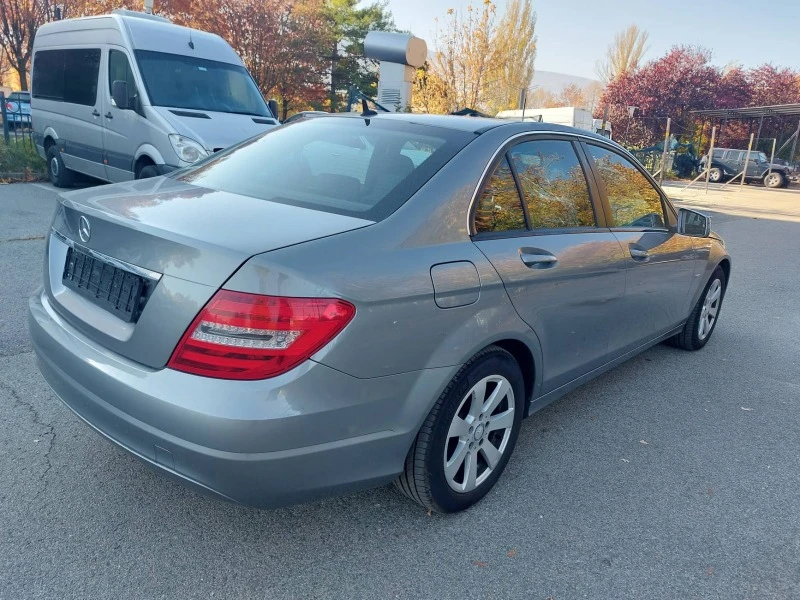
(349, 301)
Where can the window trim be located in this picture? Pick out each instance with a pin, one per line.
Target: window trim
(502, 152)
(666, 207)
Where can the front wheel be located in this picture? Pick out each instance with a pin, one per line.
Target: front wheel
(701, 323)
(467, 438)
(774, 180)
(715, 175)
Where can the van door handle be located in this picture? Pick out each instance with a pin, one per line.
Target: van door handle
(639, 254)
(95, 113)
(534, 260)
(109, 115)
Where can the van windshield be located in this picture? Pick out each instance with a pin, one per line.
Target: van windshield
(187, 82)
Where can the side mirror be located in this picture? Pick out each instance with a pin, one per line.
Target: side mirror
(273, 108)
(119, 92)
(693, 223)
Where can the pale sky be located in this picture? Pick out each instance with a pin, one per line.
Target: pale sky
(573, 34)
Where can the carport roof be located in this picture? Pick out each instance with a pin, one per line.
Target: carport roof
(750, 112)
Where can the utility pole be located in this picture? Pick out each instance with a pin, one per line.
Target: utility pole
(664, 153)
(746, 162)
(710, 156)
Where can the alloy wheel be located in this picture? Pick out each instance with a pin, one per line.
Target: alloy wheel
(708, 314)
(479, 433)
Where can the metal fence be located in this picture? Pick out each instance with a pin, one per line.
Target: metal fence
(16, 122)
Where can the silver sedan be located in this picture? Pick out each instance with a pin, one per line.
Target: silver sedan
(348, 301)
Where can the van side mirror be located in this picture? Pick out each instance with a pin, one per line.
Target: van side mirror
(693, 223)
(119, 92)
(273, 107)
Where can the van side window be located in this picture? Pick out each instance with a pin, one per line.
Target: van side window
(119, 69)
(67, 75)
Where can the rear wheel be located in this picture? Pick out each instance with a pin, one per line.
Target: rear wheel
(701, 323)
(58, 173)
(467, 439)
(715, 175)
(774, 180)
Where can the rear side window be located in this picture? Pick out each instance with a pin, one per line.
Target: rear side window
(365, 168)
(633, 200)
(553, 184)
(67, 75)
(500, 207)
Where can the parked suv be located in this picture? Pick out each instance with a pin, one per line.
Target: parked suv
(728, 162)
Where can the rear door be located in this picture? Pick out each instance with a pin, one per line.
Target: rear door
(660, 262)
(123, 129)
(536, 221)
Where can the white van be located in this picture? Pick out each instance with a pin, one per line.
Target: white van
(131, 95)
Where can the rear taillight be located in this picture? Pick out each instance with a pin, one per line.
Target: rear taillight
(248, 336)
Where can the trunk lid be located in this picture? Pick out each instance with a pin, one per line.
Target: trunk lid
(186, 241)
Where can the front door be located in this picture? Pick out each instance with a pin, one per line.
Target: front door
(660, 262)
(123, 128)
(565, 274)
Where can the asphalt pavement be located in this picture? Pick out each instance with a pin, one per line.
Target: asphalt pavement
(676, 475)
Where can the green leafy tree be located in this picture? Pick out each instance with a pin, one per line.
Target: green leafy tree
(348, 24)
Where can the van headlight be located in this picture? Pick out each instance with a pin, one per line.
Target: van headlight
(187, 149)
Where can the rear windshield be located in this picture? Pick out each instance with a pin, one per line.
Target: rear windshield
(365, 168)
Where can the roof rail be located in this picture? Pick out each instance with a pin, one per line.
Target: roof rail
(122, 12)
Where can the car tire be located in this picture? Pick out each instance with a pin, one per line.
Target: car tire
(455, 434)
(147, 172)
(58, 173)
(715, 175)
(708, 306)
(775, 180)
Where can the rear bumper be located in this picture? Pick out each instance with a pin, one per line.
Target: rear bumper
(310, 433)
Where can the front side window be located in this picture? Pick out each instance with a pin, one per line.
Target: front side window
(119, 69)
(633, 199)
(553, 184)
(350, 166)
(179, 81)
(67, 75)
(500, 207)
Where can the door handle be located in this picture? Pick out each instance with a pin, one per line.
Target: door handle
(95, 113)
(639, 254)
(109, 115)
(537, 260)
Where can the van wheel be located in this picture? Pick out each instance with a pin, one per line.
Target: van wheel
(147, 172)
(58, 173)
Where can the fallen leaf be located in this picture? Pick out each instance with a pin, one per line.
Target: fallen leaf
(710, 571)
(747, 409)
(643, 442)
(35, 441)
(710, 492)
(480, 563)
(429, 512)
(625, 460)
(511, 553)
